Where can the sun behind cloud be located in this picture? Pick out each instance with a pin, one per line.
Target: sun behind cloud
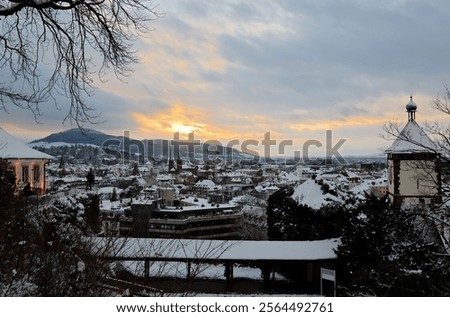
(166, 122)
(222, 125)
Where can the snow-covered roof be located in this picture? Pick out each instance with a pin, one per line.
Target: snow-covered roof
(360, 189)
(13, 148)
(164, 177)
(140, 181)
(352, 174)
(109, 190)
(269, 188)
(226, 250)
(310, 193)
(412, 139)
(289, 177)
(207, 184)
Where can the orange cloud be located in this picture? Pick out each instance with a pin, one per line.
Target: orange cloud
(206, 124)
(379, 111)
(27, 133)
(232, 123)
(353, 121)
(177, 118)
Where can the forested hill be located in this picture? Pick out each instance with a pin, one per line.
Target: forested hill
(76, 136)
(153, 148)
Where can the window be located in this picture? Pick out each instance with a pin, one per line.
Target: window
(418, 185)
(390, 174)
(25, 174)
(36, 174)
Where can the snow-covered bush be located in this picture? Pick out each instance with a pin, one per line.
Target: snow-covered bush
(386, 251)
(44, 250)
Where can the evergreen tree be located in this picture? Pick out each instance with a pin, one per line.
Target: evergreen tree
(12, 228)
(90, 179)
(91, 204)
(61, 162)
(43, 249)
(382, 252)
(288, 220)
(135, 171)
(114, 195)
(67, 263)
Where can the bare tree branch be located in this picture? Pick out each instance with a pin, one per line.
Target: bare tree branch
(52, 48)
(443, 104)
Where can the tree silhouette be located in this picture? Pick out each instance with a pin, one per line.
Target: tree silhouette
(43, 251)
(51, 48)
(90, 179)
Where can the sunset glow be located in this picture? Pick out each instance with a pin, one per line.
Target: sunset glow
(236, 70)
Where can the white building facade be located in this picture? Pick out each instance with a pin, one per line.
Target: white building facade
(28, 164)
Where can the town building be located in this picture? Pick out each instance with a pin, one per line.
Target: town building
(414, 172)
(155, 214)
(28, 164)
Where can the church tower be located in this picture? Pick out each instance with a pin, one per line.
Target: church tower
(171, 168)
(414, 171)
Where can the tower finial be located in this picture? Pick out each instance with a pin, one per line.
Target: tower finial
(411, 108)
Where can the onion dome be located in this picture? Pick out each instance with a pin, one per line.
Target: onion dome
(411, 106)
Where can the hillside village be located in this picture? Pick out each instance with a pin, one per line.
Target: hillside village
(221, 200)
(179, 199)
(257, 156)
(190, 191)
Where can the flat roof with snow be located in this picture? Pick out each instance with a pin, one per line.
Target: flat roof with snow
(220, 250)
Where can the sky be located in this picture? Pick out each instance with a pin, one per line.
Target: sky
(237, 70)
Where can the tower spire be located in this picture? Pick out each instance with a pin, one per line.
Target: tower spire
(411, 108)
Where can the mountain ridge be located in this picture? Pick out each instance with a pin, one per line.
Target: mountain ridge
(154, 147)
(76, 136)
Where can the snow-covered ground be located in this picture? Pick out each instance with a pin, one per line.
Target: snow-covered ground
(47, 145)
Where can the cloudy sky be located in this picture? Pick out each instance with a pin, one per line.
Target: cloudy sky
(235, 70)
